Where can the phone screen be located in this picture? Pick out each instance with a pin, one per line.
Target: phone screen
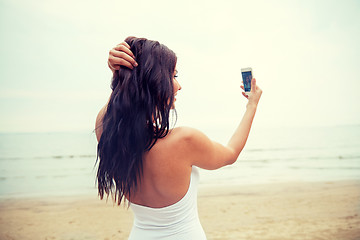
(247, 76)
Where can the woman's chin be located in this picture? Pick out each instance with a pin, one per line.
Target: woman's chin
(173, 105)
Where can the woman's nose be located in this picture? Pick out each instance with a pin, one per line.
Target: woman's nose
(179, 86)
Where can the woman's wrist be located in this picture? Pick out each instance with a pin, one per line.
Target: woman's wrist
(251, 106)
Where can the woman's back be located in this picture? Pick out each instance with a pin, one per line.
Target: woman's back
(178, 221)
(166, 173)
(165, 204)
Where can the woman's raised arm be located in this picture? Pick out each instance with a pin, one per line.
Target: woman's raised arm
(207, 154)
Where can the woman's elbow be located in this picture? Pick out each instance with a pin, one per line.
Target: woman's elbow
(232, 157)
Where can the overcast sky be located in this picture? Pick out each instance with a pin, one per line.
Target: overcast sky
(304, 54)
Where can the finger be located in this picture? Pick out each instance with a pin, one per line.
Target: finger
(253, 85)
(119, 62)
(245, 95)
(111, 66)
(126, 54)
(242, 87)
(126, 44)
(124, 48)
(122, 55)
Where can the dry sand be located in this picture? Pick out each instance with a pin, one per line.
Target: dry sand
(327, 210)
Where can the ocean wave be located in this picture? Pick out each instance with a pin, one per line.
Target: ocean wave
(62, 176)
(48, 157)
(324, 168)
(270, 149)
(285, 149)
(303, 148)
(302, 158)
(73, 156)
(10, 158)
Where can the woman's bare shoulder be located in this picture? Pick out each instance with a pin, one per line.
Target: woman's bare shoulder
(177, 139)
(179, 143)
(176, 145)
(185, 134)
(188, 139)
(200, 150)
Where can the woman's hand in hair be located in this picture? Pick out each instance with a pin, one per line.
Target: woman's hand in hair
(121, 55)
(254, 95)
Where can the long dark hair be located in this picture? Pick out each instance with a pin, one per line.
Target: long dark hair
(137, 115)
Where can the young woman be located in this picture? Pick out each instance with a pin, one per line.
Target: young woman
(143, 159)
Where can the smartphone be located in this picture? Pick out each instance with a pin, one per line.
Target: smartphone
(247, 76)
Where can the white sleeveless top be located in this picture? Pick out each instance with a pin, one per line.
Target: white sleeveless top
(179, 221)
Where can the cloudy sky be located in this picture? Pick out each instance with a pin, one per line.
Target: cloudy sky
(304, 54)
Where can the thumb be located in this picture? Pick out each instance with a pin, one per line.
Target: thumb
(253, 85)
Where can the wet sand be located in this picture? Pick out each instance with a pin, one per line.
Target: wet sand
(324, 210)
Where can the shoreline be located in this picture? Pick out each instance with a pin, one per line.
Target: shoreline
(204, 188)
(294, 210)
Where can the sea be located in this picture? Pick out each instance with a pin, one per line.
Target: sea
(63, 163)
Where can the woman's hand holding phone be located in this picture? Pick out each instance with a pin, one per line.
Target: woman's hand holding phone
(254, 95)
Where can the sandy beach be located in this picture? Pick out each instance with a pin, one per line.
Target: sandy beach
(322, 210)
